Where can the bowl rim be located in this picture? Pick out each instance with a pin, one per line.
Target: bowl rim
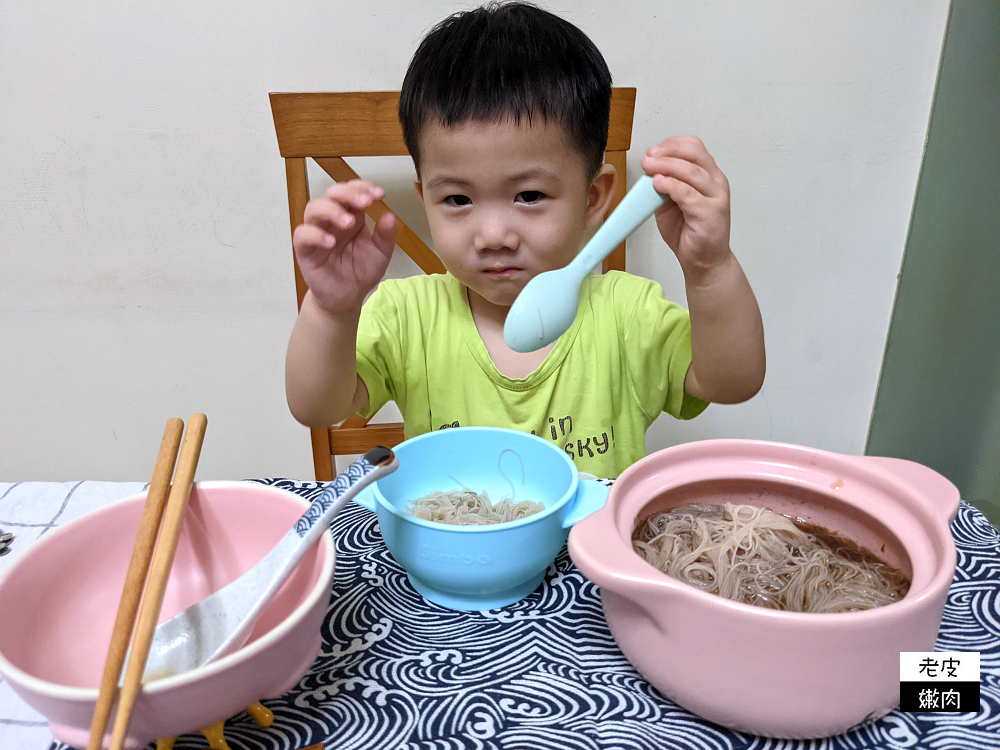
(73, 693)
(402, 515)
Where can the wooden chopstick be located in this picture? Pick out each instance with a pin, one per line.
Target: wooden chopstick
(142, 552)
(156, 582)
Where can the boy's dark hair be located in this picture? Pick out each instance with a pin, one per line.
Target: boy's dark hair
(508, 60)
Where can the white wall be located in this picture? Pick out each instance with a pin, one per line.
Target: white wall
(145, 266)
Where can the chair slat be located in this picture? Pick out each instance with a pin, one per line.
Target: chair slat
(349, 123)
(364, 439)
(622, 112)
(322, 455)
(352, 422)
(365, 123)
(298, 197)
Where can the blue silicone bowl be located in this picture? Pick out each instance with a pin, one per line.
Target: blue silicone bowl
(480, 567)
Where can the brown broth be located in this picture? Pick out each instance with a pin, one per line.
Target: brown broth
(848, 549)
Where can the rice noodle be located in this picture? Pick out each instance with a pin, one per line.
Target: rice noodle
(468, 508)
(756, 556)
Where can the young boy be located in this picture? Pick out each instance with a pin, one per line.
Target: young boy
(505, 111)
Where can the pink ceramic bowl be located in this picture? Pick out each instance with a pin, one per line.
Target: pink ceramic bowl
(59, 601)
(777, 674)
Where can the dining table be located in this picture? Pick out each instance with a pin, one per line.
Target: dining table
(396, 671)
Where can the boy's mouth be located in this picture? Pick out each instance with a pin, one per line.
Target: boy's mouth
(502, 272)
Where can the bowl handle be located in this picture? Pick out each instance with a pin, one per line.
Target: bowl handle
(366, 497)
(920, 480)
(591, 496)
(610, 562)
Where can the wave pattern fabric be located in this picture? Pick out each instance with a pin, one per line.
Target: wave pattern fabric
(399, 673)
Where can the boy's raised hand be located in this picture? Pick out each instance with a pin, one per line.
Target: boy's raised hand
(695, 222)
(727, 336)
(340, 259)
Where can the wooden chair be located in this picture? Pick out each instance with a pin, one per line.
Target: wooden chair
(328, 126)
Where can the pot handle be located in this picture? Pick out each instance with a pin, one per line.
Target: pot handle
(591, 496)
(609, 561)
(921, 480)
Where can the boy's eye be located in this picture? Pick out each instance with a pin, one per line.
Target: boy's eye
(457, 200)
(529, 196)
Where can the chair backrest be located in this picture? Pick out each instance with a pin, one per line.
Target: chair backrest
(328, 126)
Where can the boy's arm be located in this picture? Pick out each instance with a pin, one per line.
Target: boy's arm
(321, 381)
(727, 335)
(341, 261)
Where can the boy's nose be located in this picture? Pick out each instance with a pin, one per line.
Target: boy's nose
(495, 232)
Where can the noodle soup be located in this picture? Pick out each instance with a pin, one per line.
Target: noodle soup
(755, 556)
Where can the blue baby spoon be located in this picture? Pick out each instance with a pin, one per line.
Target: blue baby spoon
(546, 307)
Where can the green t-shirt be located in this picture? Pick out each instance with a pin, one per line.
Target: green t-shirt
(620, 364)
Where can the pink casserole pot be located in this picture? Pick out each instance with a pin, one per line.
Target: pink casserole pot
(59, 600)
(777, 674)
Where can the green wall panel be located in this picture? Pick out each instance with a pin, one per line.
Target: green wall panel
(938, 400)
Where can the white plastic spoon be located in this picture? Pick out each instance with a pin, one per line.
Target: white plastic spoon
(221, 622)
(547, 305)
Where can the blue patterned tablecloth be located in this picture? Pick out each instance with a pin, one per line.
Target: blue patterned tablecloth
(399, 672)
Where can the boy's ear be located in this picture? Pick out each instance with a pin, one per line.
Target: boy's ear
(418, 187)
(602, 190)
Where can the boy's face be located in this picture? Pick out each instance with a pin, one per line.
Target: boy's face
(506, 201)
